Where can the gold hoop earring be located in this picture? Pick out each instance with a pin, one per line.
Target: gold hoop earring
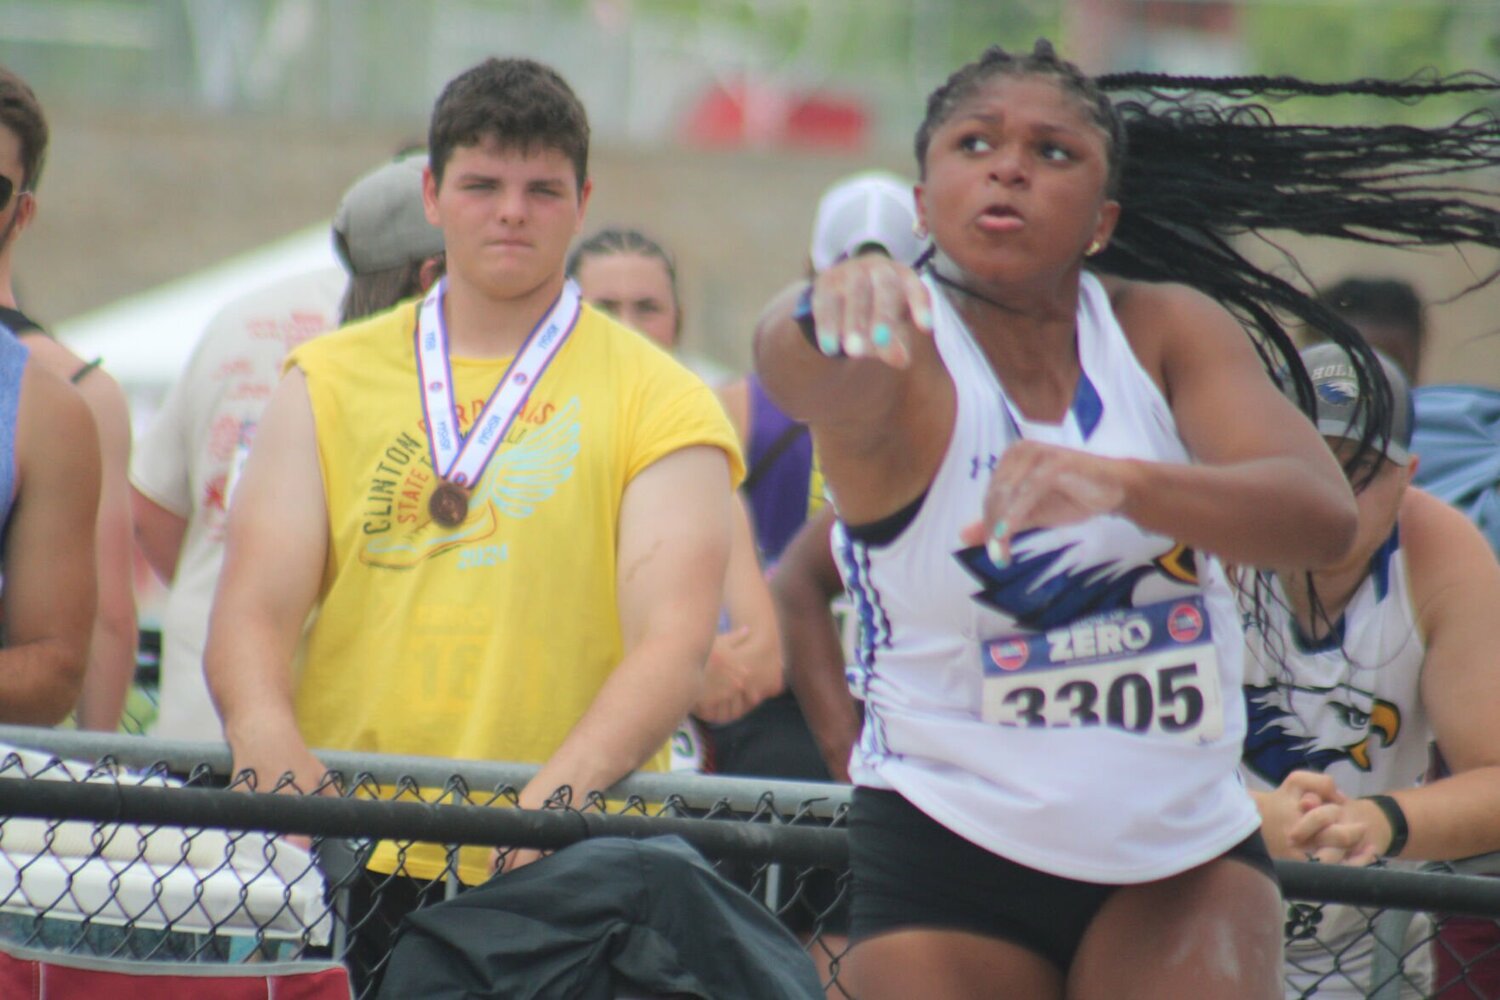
(1093, 249)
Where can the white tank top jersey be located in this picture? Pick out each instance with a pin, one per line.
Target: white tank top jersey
(1349, 706)
(1077, 711)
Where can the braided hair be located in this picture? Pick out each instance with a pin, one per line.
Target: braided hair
(1042, 61)
(1208, 162)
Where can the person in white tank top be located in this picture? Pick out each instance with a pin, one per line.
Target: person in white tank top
(1354, 670)
(1036, 474)
(1030, 430)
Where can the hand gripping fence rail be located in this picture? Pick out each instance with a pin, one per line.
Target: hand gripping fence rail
(126, 847)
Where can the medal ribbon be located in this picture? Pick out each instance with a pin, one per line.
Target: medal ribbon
(462, 459)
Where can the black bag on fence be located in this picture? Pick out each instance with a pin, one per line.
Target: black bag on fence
(600, 919)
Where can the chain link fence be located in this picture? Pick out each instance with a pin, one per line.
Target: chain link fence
(123, 847)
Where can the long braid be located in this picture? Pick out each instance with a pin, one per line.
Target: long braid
(1426, 83)
(1201, 174)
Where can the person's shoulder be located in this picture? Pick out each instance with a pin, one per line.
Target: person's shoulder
(1443, 548)
(1433, 531)
(362, 341)
(51, 404)
(1169, 325)
(1157, 305)
(94, 384)
(50, 353)
(631, 350)
(307, 300)
(605, 333)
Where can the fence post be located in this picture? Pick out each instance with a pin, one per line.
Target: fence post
(1388, 932)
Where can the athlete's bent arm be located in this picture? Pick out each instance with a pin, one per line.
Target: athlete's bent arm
(49, 559)
(806, 579)
(273, 567)
(673, 550)
(1264, 489)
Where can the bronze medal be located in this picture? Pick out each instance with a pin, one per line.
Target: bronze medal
(449, 504)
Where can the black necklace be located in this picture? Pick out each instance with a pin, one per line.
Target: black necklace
(959, 286)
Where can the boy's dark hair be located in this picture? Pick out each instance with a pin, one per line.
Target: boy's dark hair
(21, 112)
(518, 103)
(1377, 300)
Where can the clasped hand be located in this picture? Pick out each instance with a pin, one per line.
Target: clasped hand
(1308, 819)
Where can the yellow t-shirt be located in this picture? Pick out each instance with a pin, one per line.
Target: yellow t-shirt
(487, 641)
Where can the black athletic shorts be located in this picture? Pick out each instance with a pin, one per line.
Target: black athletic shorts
(911, 871)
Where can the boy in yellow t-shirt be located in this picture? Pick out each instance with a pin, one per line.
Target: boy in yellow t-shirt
(509, 513)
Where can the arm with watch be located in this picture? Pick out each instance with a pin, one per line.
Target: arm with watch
(1455, 582)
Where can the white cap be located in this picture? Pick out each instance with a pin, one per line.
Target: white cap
(873, 207)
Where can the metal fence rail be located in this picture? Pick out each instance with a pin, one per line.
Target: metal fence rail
(146, 849)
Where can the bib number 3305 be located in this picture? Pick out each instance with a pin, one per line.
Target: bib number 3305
(1150, 670)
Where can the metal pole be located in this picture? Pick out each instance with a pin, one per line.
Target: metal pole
(330, 816)
(821, 800)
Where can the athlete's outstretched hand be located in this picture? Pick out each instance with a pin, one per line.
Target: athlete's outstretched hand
(1038, 485)
(870, 306)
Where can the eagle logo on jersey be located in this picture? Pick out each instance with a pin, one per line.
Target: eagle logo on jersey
(1339, 391)
(1295, 727)
(1043, 586)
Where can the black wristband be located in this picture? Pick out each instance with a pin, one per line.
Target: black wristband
(1396, 818)
(802, 312)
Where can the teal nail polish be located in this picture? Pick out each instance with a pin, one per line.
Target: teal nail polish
(828, 344)
(881, 336)
(994, 549)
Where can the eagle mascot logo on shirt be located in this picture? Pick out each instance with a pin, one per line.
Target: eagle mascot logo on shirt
(1295, 727)
(1059, 575)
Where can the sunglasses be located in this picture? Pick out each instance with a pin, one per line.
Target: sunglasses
(7, 188)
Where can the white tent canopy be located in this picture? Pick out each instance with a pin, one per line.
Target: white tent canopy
(145, 339)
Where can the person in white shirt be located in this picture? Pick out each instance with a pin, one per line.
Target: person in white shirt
(187, 464)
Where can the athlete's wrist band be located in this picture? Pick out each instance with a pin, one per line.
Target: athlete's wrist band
(802, 313)
(1396, 818)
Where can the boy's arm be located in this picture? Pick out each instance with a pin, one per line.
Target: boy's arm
(273, 567)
